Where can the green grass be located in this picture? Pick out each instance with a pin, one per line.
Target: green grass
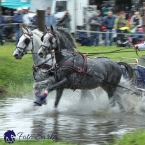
(16, 75)
(45, 142)
(135, 138)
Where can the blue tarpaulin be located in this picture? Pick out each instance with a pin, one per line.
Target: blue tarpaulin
(14, 4)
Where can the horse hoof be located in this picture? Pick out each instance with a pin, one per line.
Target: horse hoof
(123, 111)
(40, 101)
(55, 110)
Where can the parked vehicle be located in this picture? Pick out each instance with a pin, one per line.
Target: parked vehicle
(79, 11)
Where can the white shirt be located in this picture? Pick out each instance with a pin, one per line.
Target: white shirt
(26, 19)
(141, 46)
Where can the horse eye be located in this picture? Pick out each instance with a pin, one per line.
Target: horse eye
(42, 38)
(26, 41)
(50, 40)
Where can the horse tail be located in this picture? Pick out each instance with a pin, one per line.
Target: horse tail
(128, 68)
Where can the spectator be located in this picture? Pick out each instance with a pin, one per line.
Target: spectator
(100, 16)
(34, 20)
(65, 21)
(136, 19)
(120, 21)
(49, 18)
(18, 18)
(109, 23)
(95, 24)
(26, 18)
(2, 21)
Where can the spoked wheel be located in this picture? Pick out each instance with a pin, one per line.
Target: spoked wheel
(139, 86)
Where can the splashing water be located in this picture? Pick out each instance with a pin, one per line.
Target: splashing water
(91, 115)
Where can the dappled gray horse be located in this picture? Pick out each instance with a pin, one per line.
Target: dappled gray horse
(74, 70)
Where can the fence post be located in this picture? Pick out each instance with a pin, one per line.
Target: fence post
(0, 7)
(143, 18)
(41, 20)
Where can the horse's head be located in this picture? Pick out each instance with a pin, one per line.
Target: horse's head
(24, 44)
(49, 43)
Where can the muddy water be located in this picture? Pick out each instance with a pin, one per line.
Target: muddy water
(90, 121)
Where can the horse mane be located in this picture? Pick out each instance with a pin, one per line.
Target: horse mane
(38, 33)
(67, 35)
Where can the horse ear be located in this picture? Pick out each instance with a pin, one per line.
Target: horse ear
(51, 28)
(46, 28)
(29, 31)
(24, 30)
(42, 37)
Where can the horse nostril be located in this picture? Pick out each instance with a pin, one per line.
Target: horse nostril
(15, 55)
(40, 54)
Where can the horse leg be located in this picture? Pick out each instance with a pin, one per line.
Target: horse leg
(40, 98)
(112, 94)
(85, 94)
(118, 100)
(58, 96)
(38, 86)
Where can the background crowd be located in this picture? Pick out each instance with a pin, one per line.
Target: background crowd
(98, 24)
(117, 24)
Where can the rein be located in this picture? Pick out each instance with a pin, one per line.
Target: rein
(114, 51)
(82, 70)
(52, 57)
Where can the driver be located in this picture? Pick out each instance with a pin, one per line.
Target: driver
(140, 46)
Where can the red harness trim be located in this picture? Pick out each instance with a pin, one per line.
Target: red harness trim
(79, 70)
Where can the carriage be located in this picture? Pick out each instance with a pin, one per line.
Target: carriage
(138, 67)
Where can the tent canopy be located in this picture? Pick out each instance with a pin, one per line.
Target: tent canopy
(14, 4)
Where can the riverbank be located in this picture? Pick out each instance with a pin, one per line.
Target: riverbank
(135, 138)
(16, 75)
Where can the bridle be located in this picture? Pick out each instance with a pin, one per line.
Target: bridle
(49, 69)
(27, 41)
(52, 39)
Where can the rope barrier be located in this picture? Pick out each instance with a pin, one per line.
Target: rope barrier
(19, 24)
(86, 31)
(101, 32)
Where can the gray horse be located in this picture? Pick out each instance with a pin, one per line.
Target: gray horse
(31, 41)
(74, 70)
(42, 72)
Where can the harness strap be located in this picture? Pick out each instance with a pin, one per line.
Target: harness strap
(44, 62)
(79, 70)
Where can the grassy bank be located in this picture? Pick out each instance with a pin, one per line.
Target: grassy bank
(135, 138)
(16, 75)
(45, 142)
